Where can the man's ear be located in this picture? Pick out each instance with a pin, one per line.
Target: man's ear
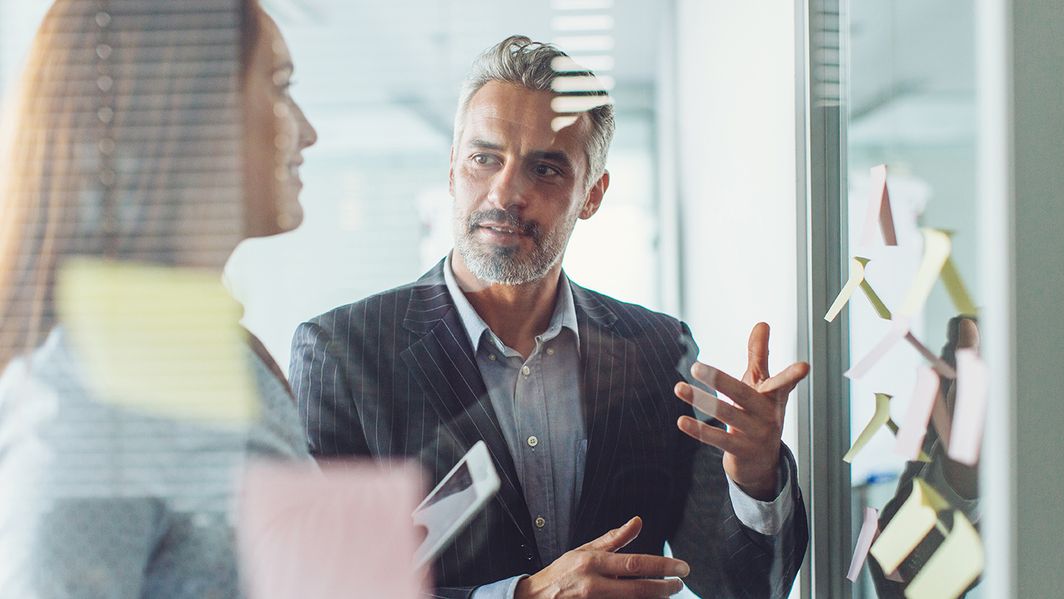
(594, 196)
(450, 174)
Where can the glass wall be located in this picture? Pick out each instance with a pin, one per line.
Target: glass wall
(910, 109)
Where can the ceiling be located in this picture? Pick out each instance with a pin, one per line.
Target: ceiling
(384, 76)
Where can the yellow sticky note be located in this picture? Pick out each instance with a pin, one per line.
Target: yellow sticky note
(916, 517)
(855, 281)
(166, 341)
(956, 563)
(879, 419)
(877, 304)
(957, 291)
(937, 247)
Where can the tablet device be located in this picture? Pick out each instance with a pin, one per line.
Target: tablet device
(453, 503)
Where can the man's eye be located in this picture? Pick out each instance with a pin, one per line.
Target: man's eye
(481, 158)
(545, 170)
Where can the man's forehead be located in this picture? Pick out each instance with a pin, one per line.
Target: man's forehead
(502, 113)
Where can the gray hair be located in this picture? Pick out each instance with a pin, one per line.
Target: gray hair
(521, 61)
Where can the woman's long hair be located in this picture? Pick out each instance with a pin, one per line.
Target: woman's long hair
(123, 139)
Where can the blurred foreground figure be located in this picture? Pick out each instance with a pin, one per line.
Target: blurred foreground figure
(145, 140)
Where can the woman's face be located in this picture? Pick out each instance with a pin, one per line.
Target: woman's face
(276, 133)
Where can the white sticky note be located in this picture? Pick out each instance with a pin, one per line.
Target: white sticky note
(869, 530)
(899, 328)
(879, 217)
(957, 562)
(917, 415)
(344, 531)
(969, 413)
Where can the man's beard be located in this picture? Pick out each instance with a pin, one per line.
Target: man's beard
(505, 265)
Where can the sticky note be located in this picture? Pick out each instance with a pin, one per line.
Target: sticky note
(956, 563)
(161, 340)
(893, 428)
(855, 281)
(869, 530)
(937, 247)
(937, 363)
(344, 531)
(705, 402)
(910, 435)
(951, 278)
(969, 413)
(878, 214)
(916, 517)
(936, 262)
(899, 328)
(879, 418)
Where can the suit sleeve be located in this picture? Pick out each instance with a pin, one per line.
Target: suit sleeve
(321, 384)
(727, 558)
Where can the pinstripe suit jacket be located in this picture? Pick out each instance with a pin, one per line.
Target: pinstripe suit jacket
(394, 375)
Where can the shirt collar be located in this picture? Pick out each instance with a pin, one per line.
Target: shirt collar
(564, 315)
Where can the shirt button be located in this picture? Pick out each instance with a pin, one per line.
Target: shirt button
(550, 351)
(533, 441)
(525, 370)
(491, 357)
(540, 522)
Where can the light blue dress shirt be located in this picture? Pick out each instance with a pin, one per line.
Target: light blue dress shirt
(537, 401)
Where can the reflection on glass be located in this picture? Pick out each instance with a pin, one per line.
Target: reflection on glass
(911, 108)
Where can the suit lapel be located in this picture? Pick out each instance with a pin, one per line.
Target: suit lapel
(606, 359)
(441, 361)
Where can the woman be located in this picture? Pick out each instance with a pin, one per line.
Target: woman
(158, 133)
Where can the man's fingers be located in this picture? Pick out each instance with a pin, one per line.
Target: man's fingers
(638, 589)
(635, 565)
(710, 435)
(714, 408)
(757, 355)
(616, 538)
(741, 393)
(786, 380)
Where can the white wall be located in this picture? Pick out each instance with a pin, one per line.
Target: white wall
(736, 162)
(736, 148)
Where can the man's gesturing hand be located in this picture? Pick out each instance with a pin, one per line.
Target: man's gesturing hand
(751, 444)
(596, 570)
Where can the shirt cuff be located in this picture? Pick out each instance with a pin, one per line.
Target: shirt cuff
(504, 589)
(765, 517)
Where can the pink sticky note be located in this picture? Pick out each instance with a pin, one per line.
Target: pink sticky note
(899, 328)
(917, 415)
(878, 214)
(343, 531)
(937, 363)
(969, 413)
(869, 531)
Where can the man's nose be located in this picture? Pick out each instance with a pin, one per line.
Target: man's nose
(509, 189)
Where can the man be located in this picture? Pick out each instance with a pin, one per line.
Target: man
(578, 396)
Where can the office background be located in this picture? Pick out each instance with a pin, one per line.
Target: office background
(714, 181)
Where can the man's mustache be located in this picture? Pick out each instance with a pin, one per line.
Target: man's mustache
(502, 217)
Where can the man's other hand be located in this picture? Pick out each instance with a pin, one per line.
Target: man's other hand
(754, 416)
(597, 570)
